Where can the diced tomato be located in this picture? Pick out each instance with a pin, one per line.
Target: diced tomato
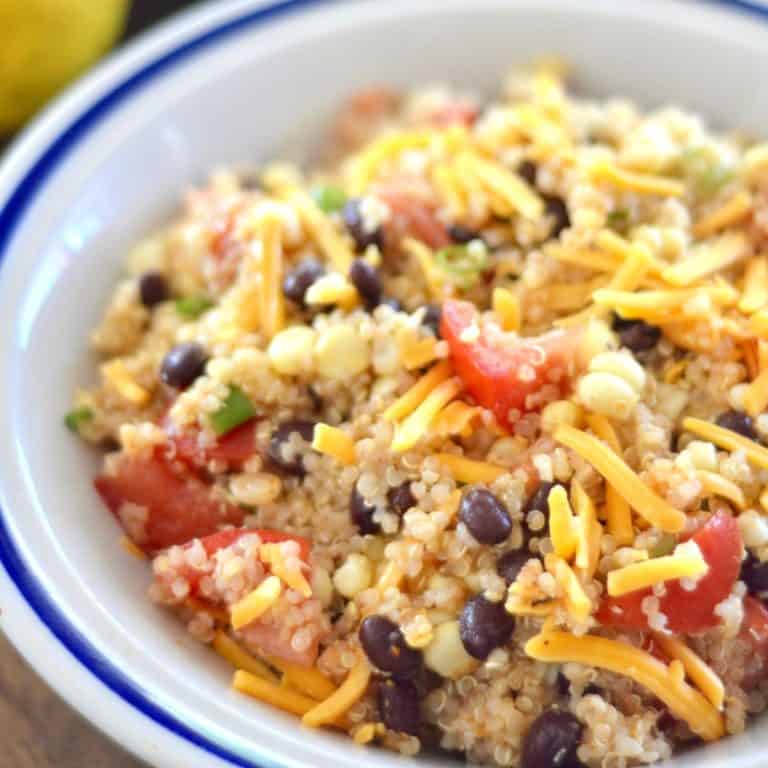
(227, 538)
(234, 448)
(415, 217)
(270, 641)
(179, 506)
(502, 376)
(455, 114)
(719, 540)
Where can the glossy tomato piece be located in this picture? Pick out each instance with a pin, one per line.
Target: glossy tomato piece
(414, 217)
(719, 540)
(234, 448)
(177, 506)
(504, 374)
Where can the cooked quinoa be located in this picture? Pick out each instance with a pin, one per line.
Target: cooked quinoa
(458, 442)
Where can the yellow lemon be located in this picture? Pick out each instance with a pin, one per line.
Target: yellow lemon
(46, 43)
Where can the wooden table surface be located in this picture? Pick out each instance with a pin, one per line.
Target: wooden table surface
(39, 729)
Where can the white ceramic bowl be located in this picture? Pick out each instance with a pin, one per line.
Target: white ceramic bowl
(228, 83)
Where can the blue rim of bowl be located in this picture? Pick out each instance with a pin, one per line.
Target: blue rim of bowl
(24, 193)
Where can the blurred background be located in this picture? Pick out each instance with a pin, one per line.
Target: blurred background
(46, 44)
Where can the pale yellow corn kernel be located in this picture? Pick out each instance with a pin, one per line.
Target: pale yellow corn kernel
(446, 654)
(353, 576)
(607, 394)
(341, 353)
(255, 488)
(703, 455)
(332, 288)
(322, 586)
(622, 365)
(755, 162)
(597, 338)
(117, 374)
(561, 412)
(291, 351)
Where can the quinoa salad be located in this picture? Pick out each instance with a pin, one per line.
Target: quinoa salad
(456, 441)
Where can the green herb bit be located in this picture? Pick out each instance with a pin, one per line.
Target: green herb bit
(236, 410)
(329, 199)
(618, 220)
(191, 307)
(665, 546)
(704, 171)
(463, 263)
(77, 417)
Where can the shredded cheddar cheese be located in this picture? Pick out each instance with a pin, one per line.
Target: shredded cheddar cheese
(257, 603)
(411, 400)
(271, 304)
(635, 492)
(618, 513)
(755, 293)
(729, 440)
(561, 523)
(271, 693)
(457, 418)
(415, 351)
(733, 211)
(654, 571)
(506, 306)
(433, 276)
(642, 183)
(576, 600)
(756, 395)
(416, 425)
(333, 442)
(588, 531)
(708, 258)
(469, 470)
(332, 708)
(232, 652)
(333, 245)
(697, 670)
(309, 681)
(117, 374)
(273, 556)
(620, 658)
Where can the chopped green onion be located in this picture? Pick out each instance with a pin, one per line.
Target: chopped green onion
(703, 170)
(76, 417)
(236, 410)
(191, 307)
(618, 220)
(464, 263)
(329, 199)
(665, 546)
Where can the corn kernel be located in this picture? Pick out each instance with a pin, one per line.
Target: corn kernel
(622, 365)
(597, 338)
(446, 654)
(341, 353)
(255, 488)
(332, 288)
(353, 576)
(703, 455)
(291, 351)
(322, 587)
(561, 412)
(607, 394)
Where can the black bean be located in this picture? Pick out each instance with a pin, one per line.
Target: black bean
(427, 681)
(153, 288)
(385, 647)
(755, 575)
(400, 499)
(183, 364)
(539, 499)
(361, 513)
(295, 465)
(527, 170)
(637, 335)
(355, 223)
(367, 281)
(432, 318)
(462, 235)
(399, 706)
(556, 208)
(563, 684)
(552, 741)
(485, 516)
(511, 563)
(300, 278)
(737, 421)
(484, 625)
